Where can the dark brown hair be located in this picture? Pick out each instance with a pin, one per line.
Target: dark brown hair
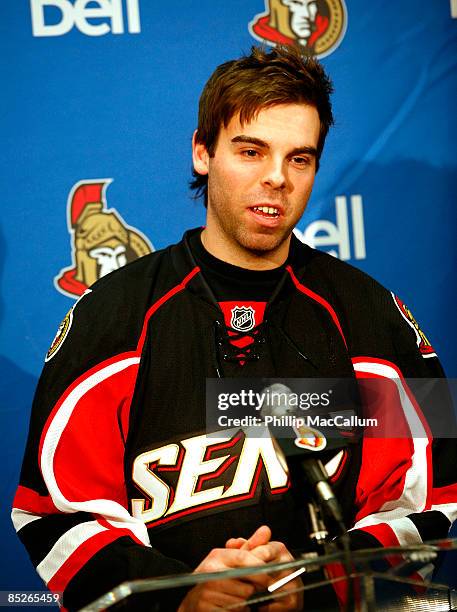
(257, 81)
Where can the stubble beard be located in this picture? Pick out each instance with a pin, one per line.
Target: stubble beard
(258, 243)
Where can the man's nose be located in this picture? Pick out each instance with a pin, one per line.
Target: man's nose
(275, 174)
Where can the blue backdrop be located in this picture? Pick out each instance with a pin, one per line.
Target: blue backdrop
(101, 96)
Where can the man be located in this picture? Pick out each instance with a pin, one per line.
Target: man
(120, 480)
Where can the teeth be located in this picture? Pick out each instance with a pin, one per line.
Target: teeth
(269, 210)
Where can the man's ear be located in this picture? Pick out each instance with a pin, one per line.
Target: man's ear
(200, 157)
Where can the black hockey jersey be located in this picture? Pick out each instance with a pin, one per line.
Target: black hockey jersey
(119, 479)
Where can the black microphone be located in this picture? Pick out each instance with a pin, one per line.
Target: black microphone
(302, 444)
(317, 477)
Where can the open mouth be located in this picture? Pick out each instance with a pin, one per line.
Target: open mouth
(269, 212)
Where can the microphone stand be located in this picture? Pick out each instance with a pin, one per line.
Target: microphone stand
(324, 502)
(327, 505)
(316, 476)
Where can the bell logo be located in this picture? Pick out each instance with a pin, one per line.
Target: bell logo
(324, 233)
(57, 17)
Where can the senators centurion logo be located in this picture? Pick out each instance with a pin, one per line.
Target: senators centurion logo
(318, 26)
(101, 239)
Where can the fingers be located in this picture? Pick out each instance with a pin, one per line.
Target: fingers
(255, 551)
(217, 595)
(235, 542)
(219, 559)
(224, 593)
(289, 596)
(290, 602)
(286, 598)
(261, 536)
(273, 551)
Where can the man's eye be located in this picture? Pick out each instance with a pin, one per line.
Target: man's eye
(301, 161)
(250, 152)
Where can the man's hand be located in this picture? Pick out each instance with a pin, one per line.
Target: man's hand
(218, 594)
(260, 546)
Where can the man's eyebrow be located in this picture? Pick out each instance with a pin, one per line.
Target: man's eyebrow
(307, 150)
(251, 140)
(261, 143)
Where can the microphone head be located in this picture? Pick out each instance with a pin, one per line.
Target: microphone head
(276, 402)
(304, 440)
(299, 432)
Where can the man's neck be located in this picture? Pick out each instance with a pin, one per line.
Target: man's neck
(244, 258)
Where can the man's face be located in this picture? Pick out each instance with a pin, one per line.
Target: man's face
(302, 16)
(259, 182)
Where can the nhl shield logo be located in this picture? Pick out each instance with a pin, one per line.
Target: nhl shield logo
(318, 26)
(243, 318)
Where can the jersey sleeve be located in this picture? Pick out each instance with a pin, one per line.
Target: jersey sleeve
(70, 510)
(407, 487)
(406, 491)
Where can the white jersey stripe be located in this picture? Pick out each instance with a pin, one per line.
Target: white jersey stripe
(413, 497)
(107, 508)
(406, 531)
(21, 518)
(65, 546)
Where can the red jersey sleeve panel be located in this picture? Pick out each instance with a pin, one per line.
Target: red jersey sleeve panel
(80, 465)
(396, 480)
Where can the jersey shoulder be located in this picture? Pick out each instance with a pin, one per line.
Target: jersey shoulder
(375, 318)
(341, 281)
(108, 318)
